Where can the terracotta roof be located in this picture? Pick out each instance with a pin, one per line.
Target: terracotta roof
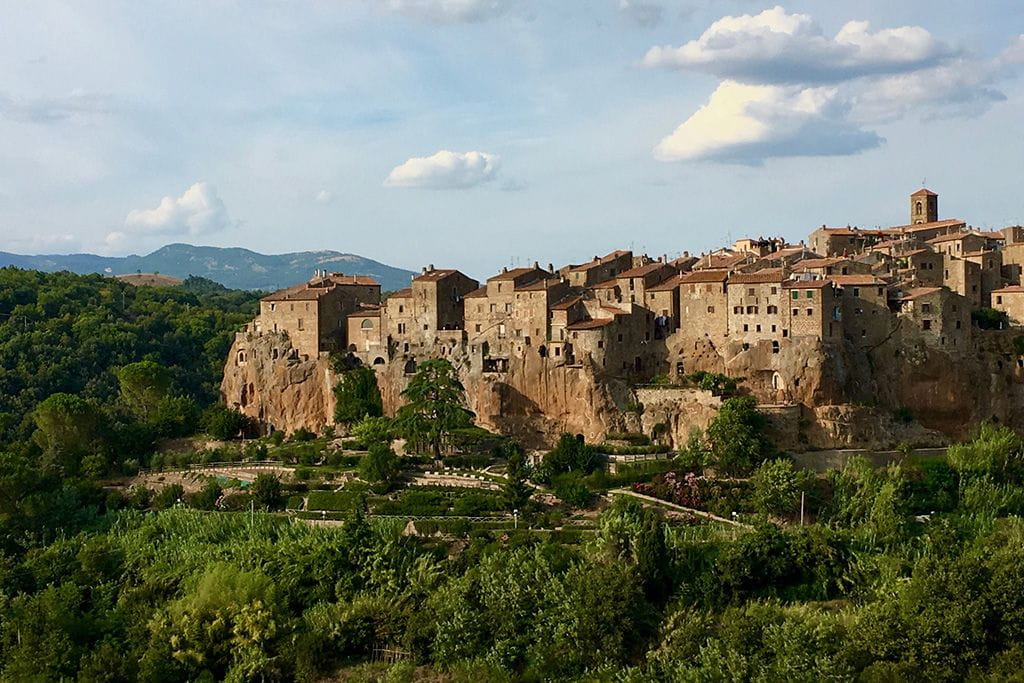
(478, 293)
(924, 192)
(589, 324)
(990, 234)
(683, 262)
(513, 273)
(917, 227)
(640, 271)
(949, 237)
(668, 284)
(402, 294)
(435, 275)
(915, 252)
(789, 251)
(598, 261)
(607, 284)
(313, 290)
(721, 260)
(980, 252)
(761, 276)
(614, 311)
(807, 284)
(709, 275)
(818, 262)
(566, 303)
(855, 280)
(539, 285)
(1012, 289)
(918, 292)
(841, 232)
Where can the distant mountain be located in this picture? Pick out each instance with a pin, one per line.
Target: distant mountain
(233, 267)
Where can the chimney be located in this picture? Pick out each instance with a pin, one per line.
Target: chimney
(424, 270)
(551, 267)
(536, 265)
(504, 269)
(431, 267)
(686, 254)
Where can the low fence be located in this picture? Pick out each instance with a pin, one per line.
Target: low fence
(202, 467)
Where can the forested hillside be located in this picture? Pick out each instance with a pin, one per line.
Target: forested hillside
(909, 572)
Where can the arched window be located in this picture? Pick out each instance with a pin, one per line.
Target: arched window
(543, 351)
(410, 367)
(919, 208)
(777, 382)
(378, 361)
(367, 325)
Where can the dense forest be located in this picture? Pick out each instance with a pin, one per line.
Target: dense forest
(906, 572)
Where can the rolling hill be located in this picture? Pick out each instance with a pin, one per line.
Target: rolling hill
(232, 267)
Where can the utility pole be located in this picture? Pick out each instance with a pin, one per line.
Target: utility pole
(802, 508)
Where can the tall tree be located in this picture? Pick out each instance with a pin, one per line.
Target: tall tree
(143, 385)
(435, 405)
(66, 428)
(737, 436)
(357, 396)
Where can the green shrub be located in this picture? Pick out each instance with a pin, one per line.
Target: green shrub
(335, 501)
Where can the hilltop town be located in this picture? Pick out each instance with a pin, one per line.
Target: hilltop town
(833, 335)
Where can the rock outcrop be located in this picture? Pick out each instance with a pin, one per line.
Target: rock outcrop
(264, 381)
(818, 396)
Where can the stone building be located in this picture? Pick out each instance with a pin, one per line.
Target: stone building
(924, 206)
(814, 309)
(756, 306)
(314, 314)
(704, 305)
(365, 335)
(865, 311)
(598, 269)
(943, 317)
(963, 277)
(1010, 300)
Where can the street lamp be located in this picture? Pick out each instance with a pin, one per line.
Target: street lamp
(515, 518)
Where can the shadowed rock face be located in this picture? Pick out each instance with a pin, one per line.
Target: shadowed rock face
(818, 396)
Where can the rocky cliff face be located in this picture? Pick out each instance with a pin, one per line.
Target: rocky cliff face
(279, 392)
(818, 396)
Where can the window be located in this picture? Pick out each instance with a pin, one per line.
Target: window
(367, 325)
(810, 293)
(880, 291)
(863, 333)
(751, 310)
(600, 343)
(926, 324)
(856, 291)
(300, 324)
(775, 290)
(620, 337)
(494, 308)
(796, 295)
(796, 312)
(401, 309)
(773, 328)
(711, 309)
(757, 328)
(477, 327)
(746, 327)
(926, 308)
(426, 326)
(773, 310)
(810, 311)
(999, 299)
(750, 291)
(785, 333)
(508, 308)
(958, 324)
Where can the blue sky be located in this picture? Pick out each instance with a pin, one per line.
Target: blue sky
(482, 133)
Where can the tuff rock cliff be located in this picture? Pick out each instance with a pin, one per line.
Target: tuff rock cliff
(818, 396)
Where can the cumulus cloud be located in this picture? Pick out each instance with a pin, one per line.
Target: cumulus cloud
(1014, 54)
(747, 123)
(776, 47)
(443, 11)
(642, 12)
(445, 170)
(56, 243)
(962, 88)
(199, 211)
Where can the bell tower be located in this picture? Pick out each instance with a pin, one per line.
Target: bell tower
(924, 206)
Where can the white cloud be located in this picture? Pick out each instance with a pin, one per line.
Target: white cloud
(199, 211)
(445, 170)
(749, 123)
(642, 12)
(56, 243)
(442, 11)
(324, 197)
(1014, 54)
(776, 47)
(960, 88)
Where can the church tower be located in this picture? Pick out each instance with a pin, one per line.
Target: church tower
(924, 206)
